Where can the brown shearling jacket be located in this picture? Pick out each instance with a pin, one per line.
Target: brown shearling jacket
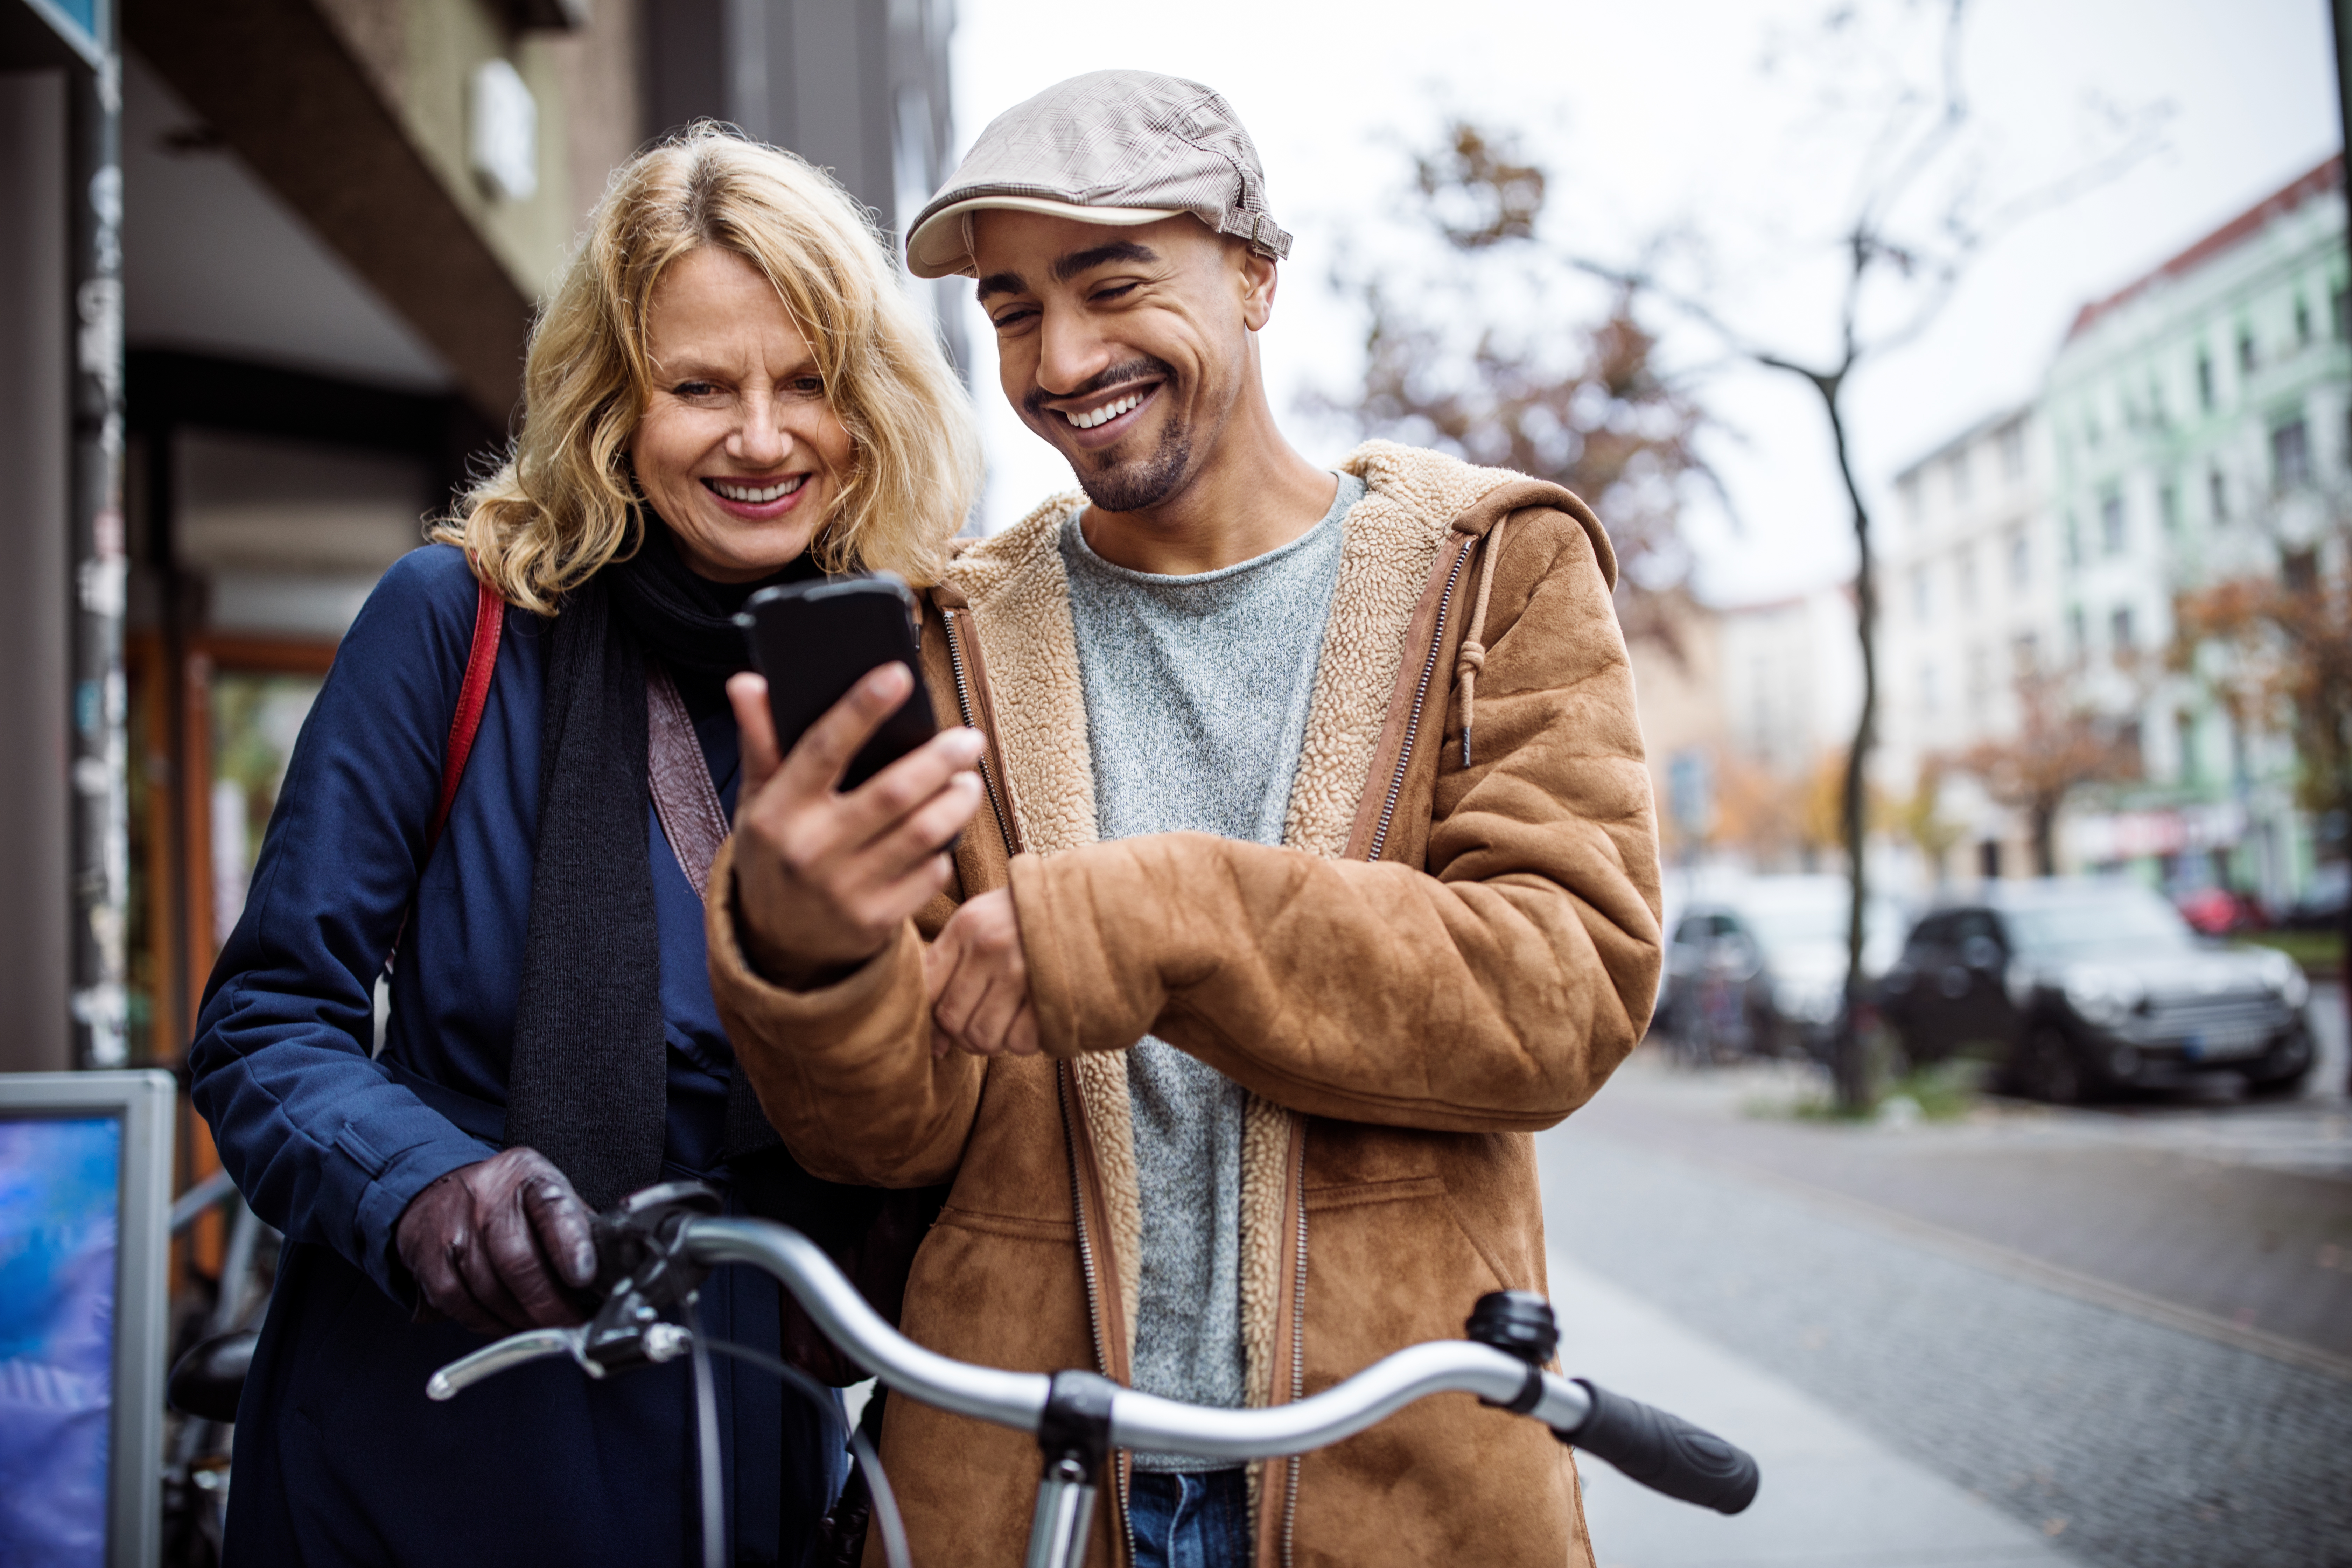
(1455, 945)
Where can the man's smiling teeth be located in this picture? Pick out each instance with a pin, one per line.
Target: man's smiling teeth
(756, 495)
(1108, 412)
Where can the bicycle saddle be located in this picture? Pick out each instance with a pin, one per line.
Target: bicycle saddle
(208, 1380)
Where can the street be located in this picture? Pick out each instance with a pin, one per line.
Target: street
(2115, 1336)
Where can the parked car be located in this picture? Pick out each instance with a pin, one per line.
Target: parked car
(2080, 988)
(1759, 967)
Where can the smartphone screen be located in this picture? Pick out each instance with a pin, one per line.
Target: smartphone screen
(814, 640)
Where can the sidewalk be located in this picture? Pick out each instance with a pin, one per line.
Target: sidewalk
(1831, 1497)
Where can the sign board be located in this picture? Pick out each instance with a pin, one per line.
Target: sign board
(87, 25)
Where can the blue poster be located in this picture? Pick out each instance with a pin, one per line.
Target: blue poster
(58, 1225)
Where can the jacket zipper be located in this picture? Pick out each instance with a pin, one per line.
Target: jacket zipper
(964, 706)
(1379, 841)
(1297, 1371)
(1078, 1211)
(1094, 1284)
(1420, 697)
(968, 710)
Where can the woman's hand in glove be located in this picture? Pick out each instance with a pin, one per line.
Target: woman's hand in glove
(500, 1246)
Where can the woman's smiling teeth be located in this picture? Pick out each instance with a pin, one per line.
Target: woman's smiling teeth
(757, 494)
(1108, 412)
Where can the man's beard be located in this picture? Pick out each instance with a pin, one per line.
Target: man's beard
(1138, 482)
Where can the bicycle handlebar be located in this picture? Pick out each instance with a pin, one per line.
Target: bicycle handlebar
(1138, 1420)
(1659, 1450)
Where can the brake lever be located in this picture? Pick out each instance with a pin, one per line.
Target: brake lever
(531, 1344)
(644, 1273)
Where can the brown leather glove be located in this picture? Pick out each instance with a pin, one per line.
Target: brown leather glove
(500, 1246)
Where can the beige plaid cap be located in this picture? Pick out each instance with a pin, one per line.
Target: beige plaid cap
(1120, 148)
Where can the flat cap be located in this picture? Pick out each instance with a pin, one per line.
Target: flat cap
(1120, 148)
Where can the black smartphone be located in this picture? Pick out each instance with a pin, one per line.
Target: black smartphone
(814, 640)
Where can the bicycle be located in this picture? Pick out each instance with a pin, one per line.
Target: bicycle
(208, 1370)
(657, 1246)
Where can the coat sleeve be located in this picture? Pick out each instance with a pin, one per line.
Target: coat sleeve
(845, 1072)
(322, 1141)
(1494, 991)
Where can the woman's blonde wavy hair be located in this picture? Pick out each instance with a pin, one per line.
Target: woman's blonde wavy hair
(565, 501)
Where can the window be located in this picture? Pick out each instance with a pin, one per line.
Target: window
(2078, 631)
(2245, 351)
(2012, 451)
(2290, 456)
(2119, 630)
(1964, 565)
(2024, 653)
(2111, 523)
(2336, 314)
(2156, 414)
(1908, 487)
(2167, 507)
(2302, 323)
(2074, 541)
(1960, 466)
(2218, 489)
(1921, 598)
(2299, 570)
(1979, 683)
(2020, 560)
(2184, 725)
(2205, 381)
(1927, 689)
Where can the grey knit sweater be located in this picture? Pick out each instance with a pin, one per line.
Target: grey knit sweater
(1196, 692)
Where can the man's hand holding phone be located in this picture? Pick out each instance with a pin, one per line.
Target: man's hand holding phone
(823, 878)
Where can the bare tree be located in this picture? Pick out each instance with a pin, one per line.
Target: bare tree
(2061, 743)
(1913, 159)
(1580, 402)
(1916, 217)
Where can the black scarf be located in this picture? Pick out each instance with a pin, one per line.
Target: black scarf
(588, 1086)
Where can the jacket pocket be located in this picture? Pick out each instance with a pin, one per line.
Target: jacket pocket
(1388, 1265)
(1018, 1227)
(1355, 1194)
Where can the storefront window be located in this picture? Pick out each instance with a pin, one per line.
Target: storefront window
(256, 716)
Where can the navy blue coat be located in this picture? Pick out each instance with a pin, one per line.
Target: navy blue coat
(340, 1457)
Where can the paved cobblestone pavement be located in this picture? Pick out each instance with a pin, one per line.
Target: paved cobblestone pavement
(2160, 1208)
(2122, 1440)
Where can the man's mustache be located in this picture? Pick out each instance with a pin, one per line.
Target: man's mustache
(1145, 368)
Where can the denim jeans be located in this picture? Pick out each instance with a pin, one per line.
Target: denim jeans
(1190, 1521)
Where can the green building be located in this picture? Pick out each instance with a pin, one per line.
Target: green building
(2199, 427)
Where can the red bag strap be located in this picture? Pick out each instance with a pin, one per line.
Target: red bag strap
(481, 663)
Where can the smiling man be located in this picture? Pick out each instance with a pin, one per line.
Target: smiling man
(1316, 870)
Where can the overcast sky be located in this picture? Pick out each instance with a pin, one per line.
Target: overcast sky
(1658, 113)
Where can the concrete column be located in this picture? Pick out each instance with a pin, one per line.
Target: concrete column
(35, 906)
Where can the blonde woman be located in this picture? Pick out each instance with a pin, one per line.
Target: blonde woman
(727, 389)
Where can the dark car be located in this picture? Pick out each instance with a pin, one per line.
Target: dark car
(2083, 988)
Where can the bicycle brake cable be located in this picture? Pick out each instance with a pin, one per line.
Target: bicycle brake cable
(706, 1423)
(877, 1485)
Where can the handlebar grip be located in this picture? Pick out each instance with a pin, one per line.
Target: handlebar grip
(1666, 1453)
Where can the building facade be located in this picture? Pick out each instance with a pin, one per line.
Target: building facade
(2195, 426)
(266, 271)
(2199, 424)
(1968, 590)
